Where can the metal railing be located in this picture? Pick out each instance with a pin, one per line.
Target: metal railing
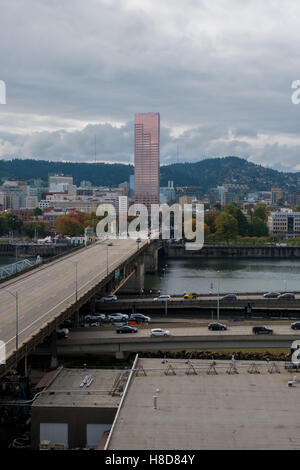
(14, 268)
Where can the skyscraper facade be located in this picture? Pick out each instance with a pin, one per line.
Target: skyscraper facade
(146, 158)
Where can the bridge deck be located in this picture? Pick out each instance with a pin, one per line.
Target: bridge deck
(49, 290)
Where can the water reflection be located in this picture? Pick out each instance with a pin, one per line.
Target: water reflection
(235, 275)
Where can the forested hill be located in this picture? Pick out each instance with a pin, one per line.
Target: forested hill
(206, 173)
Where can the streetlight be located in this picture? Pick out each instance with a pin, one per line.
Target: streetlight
(17, 315)
(106, 260)
(218, 299)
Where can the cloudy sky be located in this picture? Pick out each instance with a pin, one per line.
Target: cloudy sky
(219, 72)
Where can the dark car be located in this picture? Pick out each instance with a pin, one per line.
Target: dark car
(295, 325)
(126, 329)
(139, 317)
(216, 326)
(229, 297)
(271, 295)
(262, 330)
(287, 296)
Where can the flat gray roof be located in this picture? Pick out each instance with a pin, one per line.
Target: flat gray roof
(65, 390)
(224, 411)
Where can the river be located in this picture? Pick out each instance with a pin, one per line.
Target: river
(233, 275)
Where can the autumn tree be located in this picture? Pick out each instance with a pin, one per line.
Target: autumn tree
(69, 225)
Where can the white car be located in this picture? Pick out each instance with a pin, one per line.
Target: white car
(117, 316)
(162, 298)
(89, 324)
(159, 332)
(109, 298)
(95, 317)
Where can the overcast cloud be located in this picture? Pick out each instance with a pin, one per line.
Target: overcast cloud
(219, 72)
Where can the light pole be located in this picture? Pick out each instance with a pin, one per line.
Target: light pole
(218, 300)
(17, 315)
(106, 260)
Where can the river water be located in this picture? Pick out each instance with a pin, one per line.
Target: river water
(232, 275)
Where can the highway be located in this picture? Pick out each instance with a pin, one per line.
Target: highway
(144, 331)
(105, 340)
(48, 290)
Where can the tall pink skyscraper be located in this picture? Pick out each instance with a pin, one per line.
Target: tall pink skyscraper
(146, 158)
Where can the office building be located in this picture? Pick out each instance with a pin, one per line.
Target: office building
(284, 223)
(146, 158)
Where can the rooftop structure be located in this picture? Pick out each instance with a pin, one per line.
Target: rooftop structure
(75, 407)
(200, 406)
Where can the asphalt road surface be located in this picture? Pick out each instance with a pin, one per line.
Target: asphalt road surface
(44, 292)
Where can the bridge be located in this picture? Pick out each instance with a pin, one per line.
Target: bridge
(35, 303)
(184, 338)
(246, 305)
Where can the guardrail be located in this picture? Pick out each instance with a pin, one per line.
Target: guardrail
(19, 266)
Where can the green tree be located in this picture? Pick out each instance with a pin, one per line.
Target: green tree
(3, 225)
(34, 228)
(241, 219)
(258, 228)
(37, 211)
(14, 223)
(260, 210)
(227, 227)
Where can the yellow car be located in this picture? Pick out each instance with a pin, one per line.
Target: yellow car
(190, 296)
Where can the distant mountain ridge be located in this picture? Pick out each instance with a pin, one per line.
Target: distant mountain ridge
(207, 173)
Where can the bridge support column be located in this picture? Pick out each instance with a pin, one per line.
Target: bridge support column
(122, 355)
(53, 346)
(135, 285)
(151, 259)
(93, 305)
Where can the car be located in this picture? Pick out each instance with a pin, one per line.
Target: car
(162, 298)
(127, 329)
(271, 295)
(216, 326)
(262, 330)
(286, 296)
(94, 323)
(117, 316)
(229, 297)
(295, 325)
(139, 317)
(190, 296)
(138, 240)
(110, 244)
(109, 298)
(95, 317)
(62, 333)
(159, 332)
(119, 323)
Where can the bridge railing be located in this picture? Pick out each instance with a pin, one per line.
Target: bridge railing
(14, 268)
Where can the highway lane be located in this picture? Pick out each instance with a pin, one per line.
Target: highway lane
(144, 331)
(45, 292)
(176, 298)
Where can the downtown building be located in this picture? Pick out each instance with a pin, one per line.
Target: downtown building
(146, 158)
(284, 224)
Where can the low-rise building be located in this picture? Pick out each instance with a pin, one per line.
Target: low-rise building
(75, 407)
(284, 223)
